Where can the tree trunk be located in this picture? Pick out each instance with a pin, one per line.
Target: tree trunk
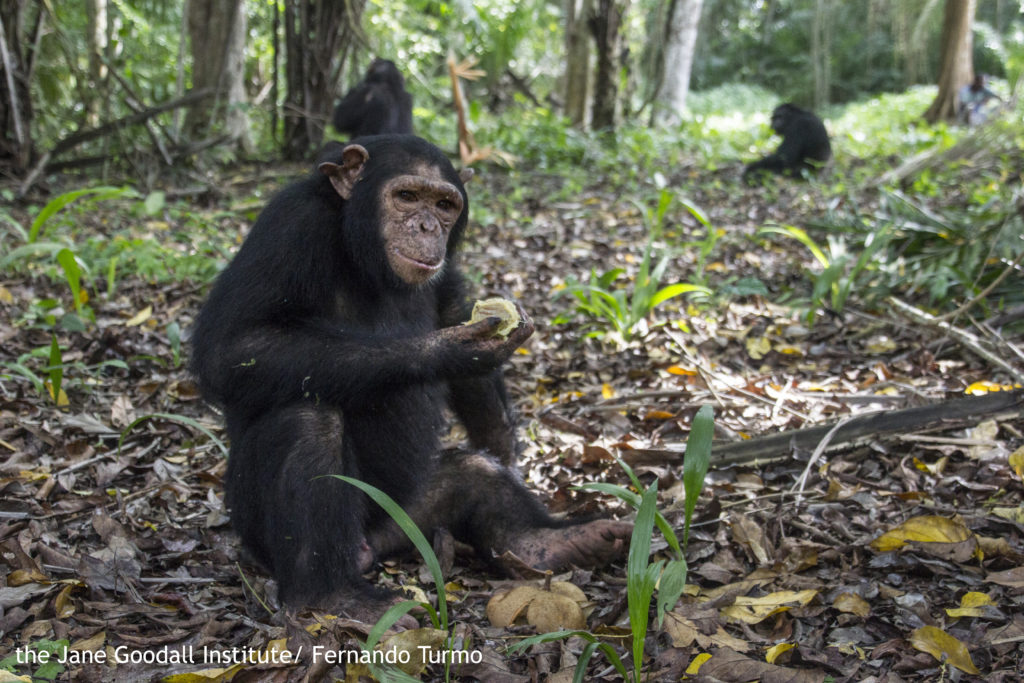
(957, 66)
(217, 32)
(97, 42)
(577, 68)
(680, 42)
(821, 50)
(605, 26)
(317, 37)
(19, 42)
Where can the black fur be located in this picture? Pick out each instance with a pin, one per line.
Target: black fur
(325, 363)
(378, 104)
(805, 144)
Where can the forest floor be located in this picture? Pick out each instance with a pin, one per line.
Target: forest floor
(114, 536)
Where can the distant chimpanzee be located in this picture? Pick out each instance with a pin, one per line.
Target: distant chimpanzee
(333, 341)
(378, 104)
(805, 144)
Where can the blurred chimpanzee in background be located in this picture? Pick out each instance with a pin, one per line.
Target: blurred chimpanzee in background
(805, 145)
(378, 104)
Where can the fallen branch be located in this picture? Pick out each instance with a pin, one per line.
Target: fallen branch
(46, 162)
(960, 412)
(78, 138)
(965, 338)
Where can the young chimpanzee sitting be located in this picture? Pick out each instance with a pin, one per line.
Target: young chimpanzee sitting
(805, 144)
(378, 104)
(333, 341)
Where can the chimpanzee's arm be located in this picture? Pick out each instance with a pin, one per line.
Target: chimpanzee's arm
(318, 361)
(480, 401)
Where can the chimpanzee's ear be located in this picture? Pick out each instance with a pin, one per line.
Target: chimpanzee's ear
(344, 175)
(465, 175)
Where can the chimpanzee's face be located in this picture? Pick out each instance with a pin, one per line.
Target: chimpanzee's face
(417, 213)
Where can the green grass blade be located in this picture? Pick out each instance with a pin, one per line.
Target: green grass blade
(403, 520)
(72, 273)
(56, 369)
(801, 236)
(672, 291)
(59, 202)
(671, 586)
(696, 461)
(605, 648)
(641, 576)
(633, 499)
(387, 620)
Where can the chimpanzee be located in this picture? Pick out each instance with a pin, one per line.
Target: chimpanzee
(333, 342)
(805, 144)
(376, 105)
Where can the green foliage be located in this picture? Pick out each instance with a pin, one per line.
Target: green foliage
(59, 202)
(49, 671)
(396, 612)
(404, 521)
(55, 370)
(842, 265)
(696, 462)
(622, 308)
(150, 250)
(642, 576)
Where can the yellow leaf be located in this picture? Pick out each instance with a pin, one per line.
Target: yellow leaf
(64, 606)
(778, 598)
(1017, 461)
(776, 650)
(976, 599)
(751, 616)
(695, 665)
(5, 296)
(789, 350)
(607, 391)
(927, 528)
(1013, 514)
(140, 317)
(7, 677)
(755, 610)
(60, 399)
(972, 604)
(944, 648)
(205, 676)
(38, 474)
(852, 604)
(984, 387)
(757, 347)
(415, 593)
(881, 344)
(686, 372)
(411, 648)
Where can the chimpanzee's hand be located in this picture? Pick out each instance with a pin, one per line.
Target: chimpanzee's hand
(475, 347)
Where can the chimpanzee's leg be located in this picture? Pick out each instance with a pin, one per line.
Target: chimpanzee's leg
(307, 528)
(487, 506)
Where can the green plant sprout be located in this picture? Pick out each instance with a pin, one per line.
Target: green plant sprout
(643, 576)
(624, 308)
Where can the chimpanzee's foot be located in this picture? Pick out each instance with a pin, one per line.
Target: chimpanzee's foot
(591, 544)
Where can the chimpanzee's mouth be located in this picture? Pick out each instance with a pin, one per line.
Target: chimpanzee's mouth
(421, 264)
